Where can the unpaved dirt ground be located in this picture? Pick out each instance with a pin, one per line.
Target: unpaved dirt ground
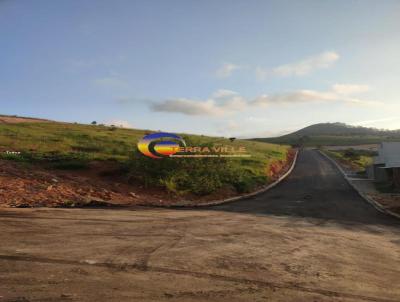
(310, 239)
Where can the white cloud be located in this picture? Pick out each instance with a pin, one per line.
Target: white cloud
(300, 68)
(347, 89)
(235, 103)
(208, 107)
(300, 96)
(227, 102)
(187, 106)
(226, 70)
(306, 96)
(371, 122)
(223, 93)
(119, 123)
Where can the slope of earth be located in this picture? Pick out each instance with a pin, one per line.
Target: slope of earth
(61, 164)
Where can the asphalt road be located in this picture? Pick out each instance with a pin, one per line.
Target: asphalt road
(315, 189)
(312, 238)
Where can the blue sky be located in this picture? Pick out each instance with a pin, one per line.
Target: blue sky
(242, 68)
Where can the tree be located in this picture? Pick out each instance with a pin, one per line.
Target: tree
(94, 123)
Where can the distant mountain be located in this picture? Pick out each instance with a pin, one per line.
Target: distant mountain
(335, 134)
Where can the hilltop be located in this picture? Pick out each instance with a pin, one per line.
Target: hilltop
(335, 134)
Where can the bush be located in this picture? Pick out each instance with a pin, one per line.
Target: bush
(244, 183)
(351, 154)
(200, 176)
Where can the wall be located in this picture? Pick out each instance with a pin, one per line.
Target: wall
(380, 174)
(396, 177)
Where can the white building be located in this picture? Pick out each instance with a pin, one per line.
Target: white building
(386, 166)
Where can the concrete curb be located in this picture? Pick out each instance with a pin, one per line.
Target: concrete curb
(368, 199)
(236, 198)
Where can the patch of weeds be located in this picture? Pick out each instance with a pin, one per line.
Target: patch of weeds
(89, 149)
(52, 160)
(246, 183)
(199, 176)
(12, 156)
(67, 161)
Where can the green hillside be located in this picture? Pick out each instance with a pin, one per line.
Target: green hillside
(72, 146)
(103, 142)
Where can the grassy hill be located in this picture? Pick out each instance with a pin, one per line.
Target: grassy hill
(100, 142)
(334, 134)
(73, 146)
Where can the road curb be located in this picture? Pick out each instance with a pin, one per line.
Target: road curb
(236, 198)
(368, 199)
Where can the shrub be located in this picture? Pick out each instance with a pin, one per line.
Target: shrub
(351, 154)
(200, 176)
(244, 183)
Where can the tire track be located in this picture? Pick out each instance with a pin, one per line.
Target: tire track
(144, 266)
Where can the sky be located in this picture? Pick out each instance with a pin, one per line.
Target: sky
(227, 68)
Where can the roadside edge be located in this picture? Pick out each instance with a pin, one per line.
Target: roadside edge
(368, 199)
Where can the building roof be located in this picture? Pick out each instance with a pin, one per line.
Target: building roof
(389, 155)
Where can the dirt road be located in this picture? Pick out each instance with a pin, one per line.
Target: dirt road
(310, 239)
